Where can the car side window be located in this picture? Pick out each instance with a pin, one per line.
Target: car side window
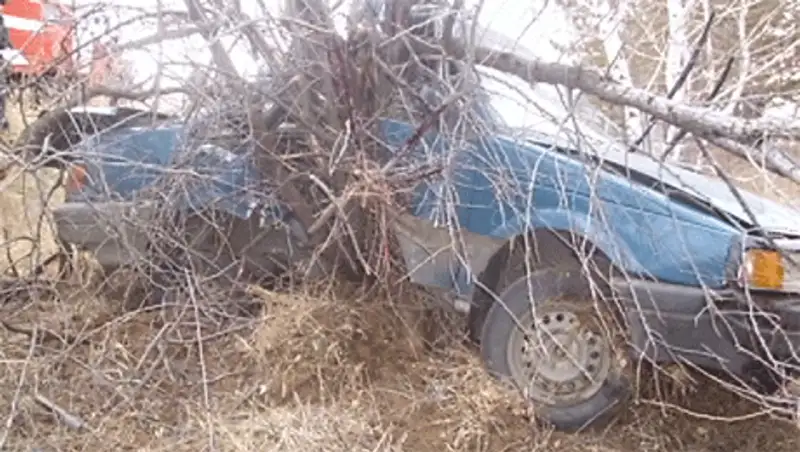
(135, 144)
(124, 160)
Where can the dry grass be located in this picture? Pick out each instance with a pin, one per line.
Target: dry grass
(314, 373)
(329, 371)
(21, 209)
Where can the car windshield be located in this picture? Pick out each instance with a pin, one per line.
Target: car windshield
(543, 112)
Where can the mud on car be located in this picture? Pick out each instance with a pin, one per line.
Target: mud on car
(577, 252)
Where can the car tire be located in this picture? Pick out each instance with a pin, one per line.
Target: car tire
(564, 306)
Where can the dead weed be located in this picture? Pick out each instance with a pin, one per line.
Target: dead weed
(325, 373)
(316, 372)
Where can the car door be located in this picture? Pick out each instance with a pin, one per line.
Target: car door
(441, 209)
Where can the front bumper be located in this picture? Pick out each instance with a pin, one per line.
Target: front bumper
(724, 330)
(115, 232)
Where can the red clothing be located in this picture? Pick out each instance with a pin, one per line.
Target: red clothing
(101, 65)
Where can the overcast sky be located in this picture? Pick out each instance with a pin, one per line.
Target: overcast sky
(534, 25)
(512, 18)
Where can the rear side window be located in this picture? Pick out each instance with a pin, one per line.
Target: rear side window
(122, 162)
(135, 144)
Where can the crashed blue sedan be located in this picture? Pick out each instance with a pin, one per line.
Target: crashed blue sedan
(561, 252)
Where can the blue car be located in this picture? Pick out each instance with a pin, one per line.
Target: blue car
(557, 251)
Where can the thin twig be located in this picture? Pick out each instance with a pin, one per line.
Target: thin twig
(723, 77)
(681, 80)
(18, 391)
(70, 420)
(42, 335)
(190, 282)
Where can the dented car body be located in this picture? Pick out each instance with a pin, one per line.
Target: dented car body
(686, 255)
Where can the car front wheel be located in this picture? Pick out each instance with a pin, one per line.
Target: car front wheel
(550, 338)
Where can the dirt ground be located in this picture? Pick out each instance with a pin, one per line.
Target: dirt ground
(315, 373)
(320, 370)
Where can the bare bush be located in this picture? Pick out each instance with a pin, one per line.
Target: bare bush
(386, 165)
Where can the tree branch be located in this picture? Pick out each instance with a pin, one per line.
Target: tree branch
(699, 120)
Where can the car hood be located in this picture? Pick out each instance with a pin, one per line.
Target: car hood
(770, 215)
(601, 142)
(545, 118)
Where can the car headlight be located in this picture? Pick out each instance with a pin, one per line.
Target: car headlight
(768, 269)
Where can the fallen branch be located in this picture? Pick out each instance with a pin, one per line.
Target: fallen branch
(70, 420)
(773, 159)
(43, 336)
(699, 120)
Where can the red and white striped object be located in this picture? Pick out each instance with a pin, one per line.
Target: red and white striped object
(41, 34)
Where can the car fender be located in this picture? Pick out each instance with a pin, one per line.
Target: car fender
(586, 226)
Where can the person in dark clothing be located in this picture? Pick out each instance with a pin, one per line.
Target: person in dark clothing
(5, 44)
